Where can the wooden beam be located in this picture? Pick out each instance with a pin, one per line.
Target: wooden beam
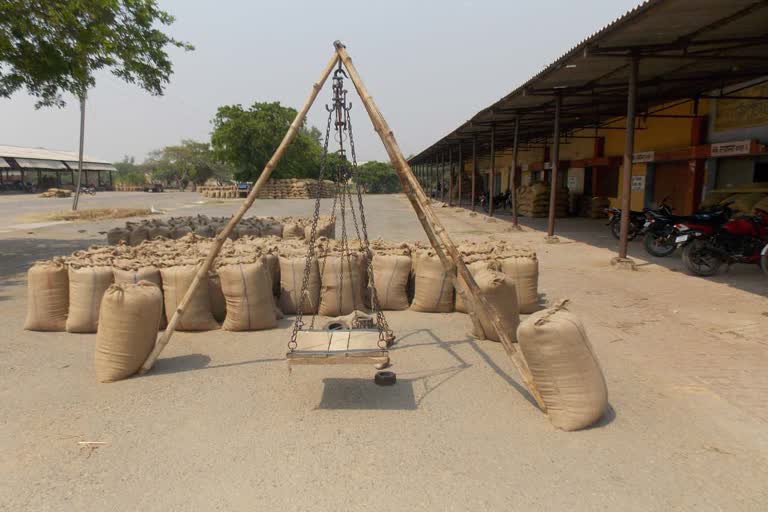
(438, 236)
(202, 272)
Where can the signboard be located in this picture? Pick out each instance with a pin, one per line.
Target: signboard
(645, 156)
(548, 165)
(524, 167)
(739, 147)
(742, 113)
(638, 183)
(572, 182)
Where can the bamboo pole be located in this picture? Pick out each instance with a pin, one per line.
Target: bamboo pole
(202, 273)
(434, 229)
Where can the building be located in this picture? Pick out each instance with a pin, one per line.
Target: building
(677, 88)
(46, 168)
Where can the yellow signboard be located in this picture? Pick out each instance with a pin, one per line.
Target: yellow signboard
(743, 113)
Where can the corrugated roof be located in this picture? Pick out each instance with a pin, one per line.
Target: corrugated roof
(45, 154)
(686, 48)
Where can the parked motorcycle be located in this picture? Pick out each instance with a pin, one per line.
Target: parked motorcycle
(662, 230)
(500, 201)
(740, 240)
(637, 219)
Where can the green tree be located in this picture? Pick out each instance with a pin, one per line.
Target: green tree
(379, 178)
(247, 138)
(129, 172)
(188, 162)
(53, 47)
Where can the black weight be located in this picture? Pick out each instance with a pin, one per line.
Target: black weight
(385, 378)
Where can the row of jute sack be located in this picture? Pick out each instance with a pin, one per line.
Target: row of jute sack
(553, 342)
(291, 228)
(66, 295)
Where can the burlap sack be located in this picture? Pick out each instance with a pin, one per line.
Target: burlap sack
(180, 231)
(248, 291)
(47, 297)
(130, 318)
(117, 235)
(524, 271)
(433, 286)
(86, 288)
(326, 228)
(390, 275)
(564, 367)
(218, 302)
(499, 290)
(293, 231)
(291, 277)
(271, 228)
(138, 235)
(197, 315)
(151, 274)
(273, 270)
(341, 287)
(474, 268)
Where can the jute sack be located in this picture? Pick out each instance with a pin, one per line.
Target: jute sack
(218, 302)
(47, 297)
(326, 228)
(499, 290)
(433, 286)
(524, 271)
(151, 274)
(86, 288)
(473, 268)
(390, 274)
(273, 270)
(341, 287)
(247, 289)
(197, 316)
(130, 318)
(292, 232)
(291, 277)
(138, 235)
(117, 235)
(564, 367)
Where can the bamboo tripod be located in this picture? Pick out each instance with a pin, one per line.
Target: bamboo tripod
(436, 233)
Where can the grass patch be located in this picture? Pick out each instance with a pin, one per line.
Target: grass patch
(95, 214)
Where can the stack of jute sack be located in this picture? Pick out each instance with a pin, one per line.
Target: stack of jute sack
(136, 232)
(295, 188)
(533, 201)
(124, 187)
(594, 207)
(57, 192)
(220, 192)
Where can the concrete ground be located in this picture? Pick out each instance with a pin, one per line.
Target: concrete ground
(220, 424)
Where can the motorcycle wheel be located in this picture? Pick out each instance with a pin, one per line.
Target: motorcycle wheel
(616, 229)
(659, 246)
(700, 260)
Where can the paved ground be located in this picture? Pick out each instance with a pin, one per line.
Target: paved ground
(220, 424)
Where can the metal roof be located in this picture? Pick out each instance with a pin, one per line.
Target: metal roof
(45, 154)
(33, 163)
(686, 49)
(3, 164)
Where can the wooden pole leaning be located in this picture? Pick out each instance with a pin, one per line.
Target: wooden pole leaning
(436, 233)
(202, 273)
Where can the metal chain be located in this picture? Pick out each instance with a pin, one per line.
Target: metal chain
(299, 322)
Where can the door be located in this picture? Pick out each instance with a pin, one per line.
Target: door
(674, 180)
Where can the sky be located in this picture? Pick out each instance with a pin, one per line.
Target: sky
(429, 64)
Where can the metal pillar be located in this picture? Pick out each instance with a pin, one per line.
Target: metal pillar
(513, 174)
(474, 171)
(76, 199)
(450, 177)
(629, 149)
(555, 159)
(492, 170)
(460, 174)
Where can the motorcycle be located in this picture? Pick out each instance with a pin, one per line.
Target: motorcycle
(500, 201)
(740, 240)
(638, 221)
(663, 231)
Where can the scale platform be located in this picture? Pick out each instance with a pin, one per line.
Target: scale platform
(345, 346)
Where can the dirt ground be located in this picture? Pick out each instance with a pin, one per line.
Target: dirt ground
(220, 424)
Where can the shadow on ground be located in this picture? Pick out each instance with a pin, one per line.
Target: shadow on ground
(365, 394)
(18, 254)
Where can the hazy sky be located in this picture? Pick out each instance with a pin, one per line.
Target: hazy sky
(429, 64)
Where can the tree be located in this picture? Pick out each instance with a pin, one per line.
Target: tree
(247, 138)
(129, 172)
(188, 162)
(379, 178)
(55, 46)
